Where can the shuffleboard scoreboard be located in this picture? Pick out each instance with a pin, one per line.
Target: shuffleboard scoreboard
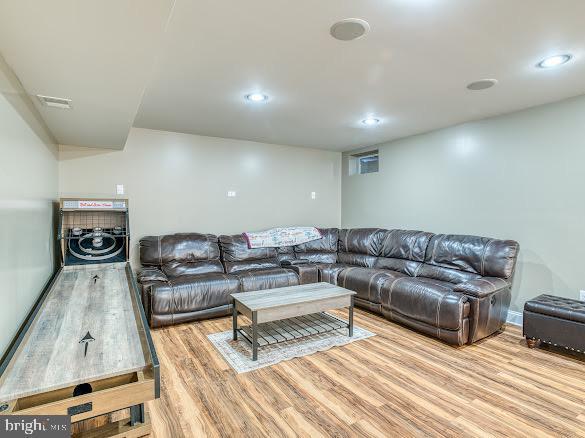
(94, 231)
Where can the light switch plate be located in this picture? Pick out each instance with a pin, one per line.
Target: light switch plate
(231, 194)
(119, 189)
(582, 295)
(313, 195)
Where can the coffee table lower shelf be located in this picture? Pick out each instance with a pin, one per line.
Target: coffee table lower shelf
(274, 332)
(288, 313)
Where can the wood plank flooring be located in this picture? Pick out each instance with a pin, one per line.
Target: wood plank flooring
(398, 383)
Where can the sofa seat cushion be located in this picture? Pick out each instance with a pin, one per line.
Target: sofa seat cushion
(317, 257)
(328, 272)
(366, 281)
(425, 299)
(176, 268)
(266, 279)
(251, 265)
(190, 293)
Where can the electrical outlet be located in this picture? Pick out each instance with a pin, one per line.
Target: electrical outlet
(582, 295)
(231, 194)
(313, 195)
(119, 189)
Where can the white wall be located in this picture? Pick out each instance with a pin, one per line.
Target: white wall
(178, 183)
(520, 176)
(28, 188)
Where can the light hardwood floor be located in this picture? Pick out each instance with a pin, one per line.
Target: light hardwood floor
(398, 383)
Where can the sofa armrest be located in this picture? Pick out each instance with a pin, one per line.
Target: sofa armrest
(489, 300)
(307, 272)
(151, 274)
(146, 291)
(482, 287)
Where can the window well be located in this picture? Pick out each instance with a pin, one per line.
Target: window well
(365, 162)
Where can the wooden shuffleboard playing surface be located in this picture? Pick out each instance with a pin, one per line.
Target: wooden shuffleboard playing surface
(85, 330)
(85, 351)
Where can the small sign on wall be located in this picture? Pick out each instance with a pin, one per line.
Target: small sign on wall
(94, 205)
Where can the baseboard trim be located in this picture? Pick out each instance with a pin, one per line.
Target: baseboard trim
(514, 318)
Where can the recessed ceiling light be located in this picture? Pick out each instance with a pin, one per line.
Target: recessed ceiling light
(349, 29)
(257, 97)
(371, 121)
(554, 61)
(482, 84)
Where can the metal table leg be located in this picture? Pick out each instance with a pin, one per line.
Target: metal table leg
(254, 336)
(350, 325)
(235, 320)
(136, 414)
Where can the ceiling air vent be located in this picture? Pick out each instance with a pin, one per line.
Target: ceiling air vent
(55, 102)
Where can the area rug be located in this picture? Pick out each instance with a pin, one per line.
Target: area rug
(239, 353)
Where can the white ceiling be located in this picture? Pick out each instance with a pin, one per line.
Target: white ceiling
(411, 70)
(98, 53)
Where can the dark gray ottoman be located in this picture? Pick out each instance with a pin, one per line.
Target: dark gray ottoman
(555, 320)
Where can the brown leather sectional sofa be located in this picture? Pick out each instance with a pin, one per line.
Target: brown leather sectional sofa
(453, 287)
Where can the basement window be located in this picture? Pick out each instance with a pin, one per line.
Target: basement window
(365, 162)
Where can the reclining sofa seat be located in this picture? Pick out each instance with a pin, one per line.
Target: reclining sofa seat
(183, 278)
(189, 276)
(481, 269)
(256, 269)
(456, 288)
(358, 250)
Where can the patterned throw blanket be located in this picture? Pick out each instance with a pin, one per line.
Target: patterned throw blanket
(282, 237)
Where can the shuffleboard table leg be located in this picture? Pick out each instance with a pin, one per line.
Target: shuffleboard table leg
(136, 414)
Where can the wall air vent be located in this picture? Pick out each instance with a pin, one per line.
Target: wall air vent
(55, 102)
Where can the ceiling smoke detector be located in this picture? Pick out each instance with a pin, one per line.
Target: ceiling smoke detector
(483, 84)
(349, 29)
(55, 102)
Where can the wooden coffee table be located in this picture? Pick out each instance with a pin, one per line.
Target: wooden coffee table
(287, 313)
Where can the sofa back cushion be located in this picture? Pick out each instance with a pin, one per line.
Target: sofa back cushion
(454, 276)
(285, 253)
(403, 250)
(323, 250)
(457, 258)
(181, 253)
(359, 246)
(236, 255)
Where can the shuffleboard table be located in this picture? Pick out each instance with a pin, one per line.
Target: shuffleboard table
(85, 351)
